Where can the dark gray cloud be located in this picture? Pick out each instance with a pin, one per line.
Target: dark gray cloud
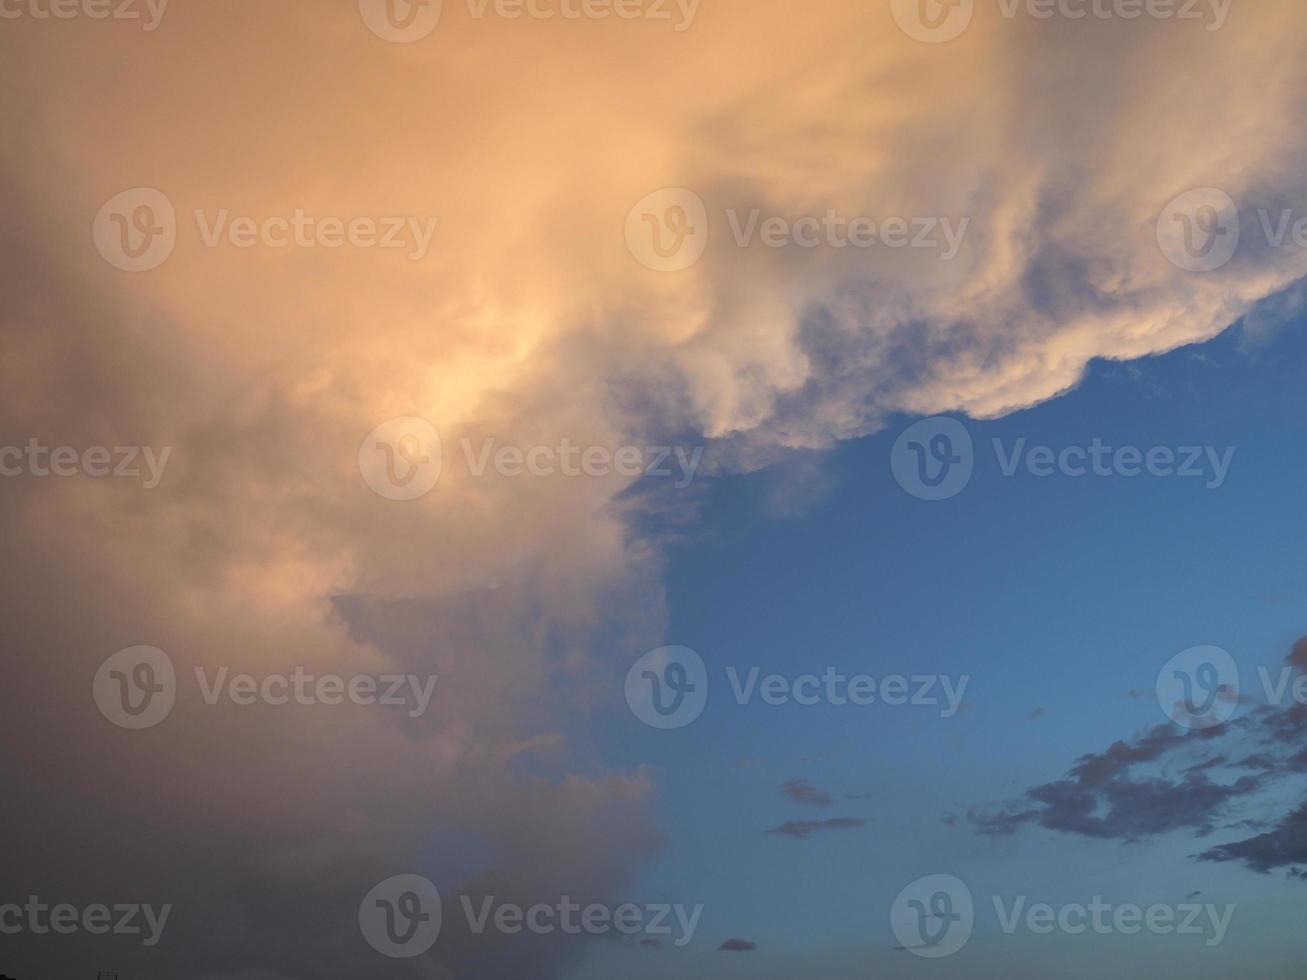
(1283, 847)
(1167, 779)
(803, 792)
(806, 829)
(737, 946)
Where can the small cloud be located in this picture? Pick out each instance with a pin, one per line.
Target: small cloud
(1037, 713)
(737, 946)
(802, 791)
(805, 829)
(1192, 895)
(949, 820)
(1298, 655)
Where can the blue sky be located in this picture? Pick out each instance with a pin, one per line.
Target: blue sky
(1058, 594)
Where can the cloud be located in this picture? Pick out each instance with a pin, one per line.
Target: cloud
(803, 792)
(528, 322)
(1285, 846)
(806, 829)
(737, 946)
(1196, 778)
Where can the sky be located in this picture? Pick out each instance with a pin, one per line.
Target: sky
(811, 490)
